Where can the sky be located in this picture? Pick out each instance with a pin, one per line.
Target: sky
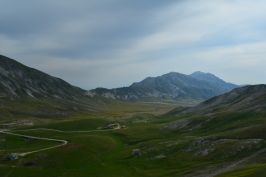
(113, 43)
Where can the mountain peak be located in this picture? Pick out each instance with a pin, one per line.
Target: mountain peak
(203, 74)
(199, 72)
(172, 85)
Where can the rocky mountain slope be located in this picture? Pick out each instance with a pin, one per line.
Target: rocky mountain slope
(244, 99)
(169, 86)
(27, 92)
(18, 80)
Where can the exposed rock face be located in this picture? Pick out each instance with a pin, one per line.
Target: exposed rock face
(169, 86)
(18, 80)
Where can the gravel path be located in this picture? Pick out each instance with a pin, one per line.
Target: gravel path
(62, 142)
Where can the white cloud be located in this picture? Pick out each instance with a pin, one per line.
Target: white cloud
(111, 44)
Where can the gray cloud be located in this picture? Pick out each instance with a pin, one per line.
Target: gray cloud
(112, 43)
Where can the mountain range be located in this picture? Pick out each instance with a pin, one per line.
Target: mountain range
(18, 81)
(172, 86)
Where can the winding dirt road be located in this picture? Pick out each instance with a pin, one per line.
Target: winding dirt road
(67, 131)
(63, 142)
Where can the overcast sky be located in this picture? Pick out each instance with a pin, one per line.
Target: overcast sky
(112, 43)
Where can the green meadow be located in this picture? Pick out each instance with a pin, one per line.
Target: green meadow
(163, 151)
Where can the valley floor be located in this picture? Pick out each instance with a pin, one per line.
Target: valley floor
(140, 145)
(60, 149)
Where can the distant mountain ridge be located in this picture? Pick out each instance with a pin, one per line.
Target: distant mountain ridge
(18, 80)
(173, 85)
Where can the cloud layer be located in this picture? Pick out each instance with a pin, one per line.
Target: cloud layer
(111, 43)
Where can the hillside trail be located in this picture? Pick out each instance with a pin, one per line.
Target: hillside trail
(228, 168)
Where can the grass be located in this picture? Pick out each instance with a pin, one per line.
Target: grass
(11, 144)
(101, 153)
(257, 170)
(165, 152)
